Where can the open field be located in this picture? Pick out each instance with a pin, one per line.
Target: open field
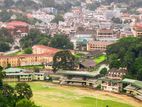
(52, 95)
(100, 59)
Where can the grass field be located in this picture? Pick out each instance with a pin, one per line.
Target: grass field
(52, 95)
(100, 59)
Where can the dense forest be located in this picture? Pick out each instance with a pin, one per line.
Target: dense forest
(127, 53)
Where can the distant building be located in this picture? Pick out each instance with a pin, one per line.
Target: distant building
(106, 35)
(97, 45)
(137, 29)
(81, 39)
(17, 28)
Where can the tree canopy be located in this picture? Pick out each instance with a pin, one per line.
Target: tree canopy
(64, 60)
(23, 90)
(34, 37)
(127, 53)
(58, 18)
(61, 42)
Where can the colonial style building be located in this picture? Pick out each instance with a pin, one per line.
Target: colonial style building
(97, 45)
(112, 81)
(24, 60)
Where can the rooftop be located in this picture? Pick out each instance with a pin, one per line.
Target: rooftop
(14, 70)
(78, 73)
(135, 83)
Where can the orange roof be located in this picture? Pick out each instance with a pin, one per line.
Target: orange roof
(45, 47)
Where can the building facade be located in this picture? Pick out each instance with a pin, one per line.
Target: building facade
(112, 81)
(97, 45)
(24, 60)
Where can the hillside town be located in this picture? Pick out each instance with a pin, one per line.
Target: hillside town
(92, 44)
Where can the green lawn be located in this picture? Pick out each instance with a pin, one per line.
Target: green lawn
(79, 55)
(52, 95)
(31, 67)
(100, 59)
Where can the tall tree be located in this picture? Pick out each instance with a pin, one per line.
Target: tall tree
(23, 90)
(127, 53)
(64, 60)
(61, 42)
(25, 103)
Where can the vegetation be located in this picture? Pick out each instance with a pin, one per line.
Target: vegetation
(100, 59)
(32, 67)
(25, 103)
(24, 18)
(64, 60)
(51, 95)
(5, 40)
(57, 19)
(5, 15)
(15, 96)
(28, 51)
(103, 71)
(61, 42)
(34, 37)
(93, 6)
(127, 53)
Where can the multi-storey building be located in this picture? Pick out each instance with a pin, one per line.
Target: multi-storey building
(23, 60)
(98, 45)
(106, 35)
(112, 81)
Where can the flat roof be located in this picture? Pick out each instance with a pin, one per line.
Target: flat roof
(14, 70)
(78, 73)
(135, 83)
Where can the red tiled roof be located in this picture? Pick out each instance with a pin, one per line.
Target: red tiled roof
(138, 25)
(10, 27)
(17, 23)
(45, 47)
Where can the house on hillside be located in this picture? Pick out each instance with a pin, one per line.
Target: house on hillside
(17, 28)
(112, 81)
